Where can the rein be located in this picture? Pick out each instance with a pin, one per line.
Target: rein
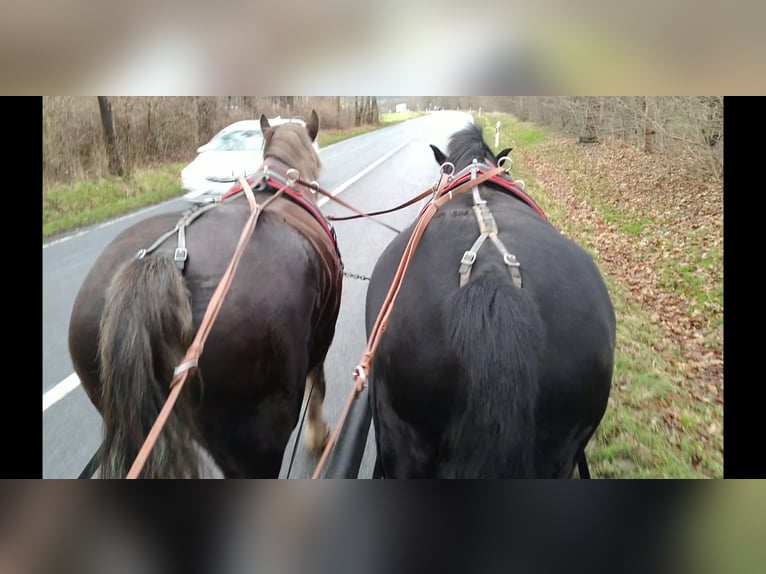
(440, 197)
(191, 359)
(512, 187)
(317, 189)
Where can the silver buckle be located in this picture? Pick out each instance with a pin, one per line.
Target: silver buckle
(510, 259)
(180, 254)
(468, 258)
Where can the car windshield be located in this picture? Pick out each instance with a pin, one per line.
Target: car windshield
(244, 140)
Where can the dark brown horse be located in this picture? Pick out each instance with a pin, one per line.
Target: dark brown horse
(134, 318)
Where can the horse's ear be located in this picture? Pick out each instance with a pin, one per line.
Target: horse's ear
(438, 154)
(313, 125)
(264, 123)
(503, 153)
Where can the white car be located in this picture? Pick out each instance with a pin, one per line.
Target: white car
(236, 150)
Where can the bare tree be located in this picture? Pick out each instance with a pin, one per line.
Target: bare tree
(116, 166)
(592, 113)
(205, 109)
(372, 110)
(357, 112)
(649, 132)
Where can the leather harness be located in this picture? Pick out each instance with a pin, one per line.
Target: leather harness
(485, 219)
(269, 178)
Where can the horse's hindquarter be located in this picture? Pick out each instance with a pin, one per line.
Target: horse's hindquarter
(561, 280)
(280, 293)
(89, 302)
(280, 312)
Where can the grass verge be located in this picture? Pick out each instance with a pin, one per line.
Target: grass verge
(657, 424)
(89, 202)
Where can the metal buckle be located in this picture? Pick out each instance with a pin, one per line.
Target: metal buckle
(180, 254)
(140, 253)
(510, 259)
(468, 258)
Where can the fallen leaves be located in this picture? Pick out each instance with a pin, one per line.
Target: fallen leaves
(655, 226)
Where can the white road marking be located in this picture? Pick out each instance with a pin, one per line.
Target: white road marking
(352, 180)
(60, 391)
(69, 384)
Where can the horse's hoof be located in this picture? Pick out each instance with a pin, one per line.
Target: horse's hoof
(316, 438)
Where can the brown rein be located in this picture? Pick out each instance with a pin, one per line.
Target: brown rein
(373, 213)
(362, 370)
(191, 359)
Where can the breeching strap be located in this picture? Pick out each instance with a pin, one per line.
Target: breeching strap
(362, 370)
(194, 352)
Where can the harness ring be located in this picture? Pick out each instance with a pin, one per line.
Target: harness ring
(445, 165)
(292, 175)
(506, 159)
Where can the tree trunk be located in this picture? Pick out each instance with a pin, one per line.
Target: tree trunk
(116, 166)
(650, 133)
(337, 110)
(357, 112)
(151, 143)
(372, 118)
(592, 111)
(204, 119)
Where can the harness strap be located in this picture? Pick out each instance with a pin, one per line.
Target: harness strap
(487, 228)
(469, 257)
(277, 175)
(181, 254)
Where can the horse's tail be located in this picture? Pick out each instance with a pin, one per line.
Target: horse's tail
(145, 330)
(495, 332)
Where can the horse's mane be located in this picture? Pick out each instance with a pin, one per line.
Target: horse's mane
(467, 144)
(290, 143)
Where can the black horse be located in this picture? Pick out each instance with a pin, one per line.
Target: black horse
(134, 319)
(505, 376)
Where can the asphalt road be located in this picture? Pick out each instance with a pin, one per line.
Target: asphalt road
(372, 171)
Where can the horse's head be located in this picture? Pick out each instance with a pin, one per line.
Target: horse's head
(292, 144)
(465, 146)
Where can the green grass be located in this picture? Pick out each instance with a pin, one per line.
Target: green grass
(513, 133)
(651, 429)
(89, 202)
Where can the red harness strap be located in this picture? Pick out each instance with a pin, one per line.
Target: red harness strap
(497, 180)
(295, 196)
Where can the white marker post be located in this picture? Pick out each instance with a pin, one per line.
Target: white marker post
(497, 135)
